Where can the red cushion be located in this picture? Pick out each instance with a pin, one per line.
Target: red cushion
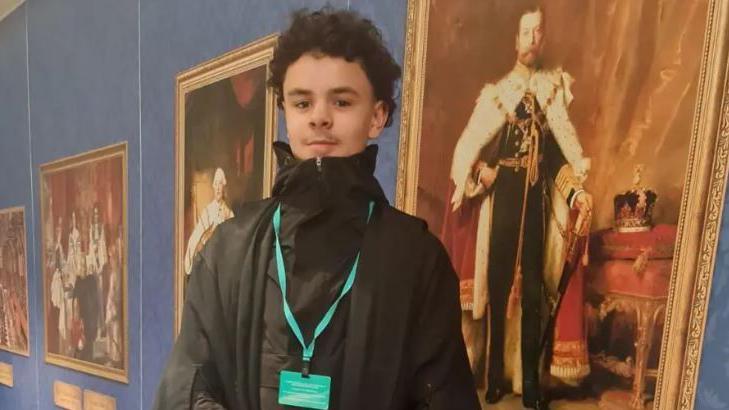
(619, 276)
(611, 244)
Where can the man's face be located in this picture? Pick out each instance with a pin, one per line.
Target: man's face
(218, 190)
(218, 184)
(330, 107)
(530, 38)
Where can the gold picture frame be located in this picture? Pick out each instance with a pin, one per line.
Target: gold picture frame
(701, 200)
(93, 186)
(253, 59)
(20, 326)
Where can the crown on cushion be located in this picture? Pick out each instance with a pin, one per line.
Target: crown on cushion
(634, 207)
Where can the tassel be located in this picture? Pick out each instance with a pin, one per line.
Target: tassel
(533, 167)
(586, 250)
(514, 294)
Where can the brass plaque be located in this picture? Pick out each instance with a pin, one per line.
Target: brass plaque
(98, 401)
(6, 374)
(66, 396)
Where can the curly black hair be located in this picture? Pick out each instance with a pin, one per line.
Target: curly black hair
(337, 33)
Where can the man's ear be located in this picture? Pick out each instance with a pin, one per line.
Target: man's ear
(379, 119)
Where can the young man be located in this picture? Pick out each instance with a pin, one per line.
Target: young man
(323, 296)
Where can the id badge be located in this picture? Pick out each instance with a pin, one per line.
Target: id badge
(309, 392)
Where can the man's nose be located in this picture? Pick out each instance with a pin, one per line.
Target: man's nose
(532, 38)
(320, 116)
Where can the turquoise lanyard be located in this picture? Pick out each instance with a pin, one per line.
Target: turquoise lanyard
(280, 267)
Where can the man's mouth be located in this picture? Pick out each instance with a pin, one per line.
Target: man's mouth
(320, 142)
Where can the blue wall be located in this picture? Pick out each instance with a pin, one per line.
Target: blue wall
(99, 72)
(84, 92)
(15, 190)
(713, 391)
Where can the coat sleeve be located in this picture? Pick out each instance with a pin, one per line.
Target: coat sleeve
(443, 379)
(487, 118)
(557, 167)
(191, 379)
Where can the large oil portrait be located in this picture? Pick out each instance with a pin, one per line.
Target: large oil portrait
(83, 250)
(14, 332)
(225, 128)
(585, 154)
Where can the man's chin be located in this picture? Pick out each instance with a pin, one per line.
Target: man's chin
(528, 59)
(316, 151)
(326, 150)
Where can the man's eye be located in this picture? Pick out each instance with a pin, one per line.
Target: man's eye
(342, 103)
(302, 104)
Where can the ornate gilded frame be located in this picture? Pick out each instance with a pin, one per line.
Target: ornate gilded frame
(10, 349)
(252, 55)
(701, 204)
(111, 151)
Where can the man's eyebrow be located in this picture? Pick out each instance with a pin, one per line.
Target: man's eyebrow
(299, 91)
(344, 90)
(337, 90)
